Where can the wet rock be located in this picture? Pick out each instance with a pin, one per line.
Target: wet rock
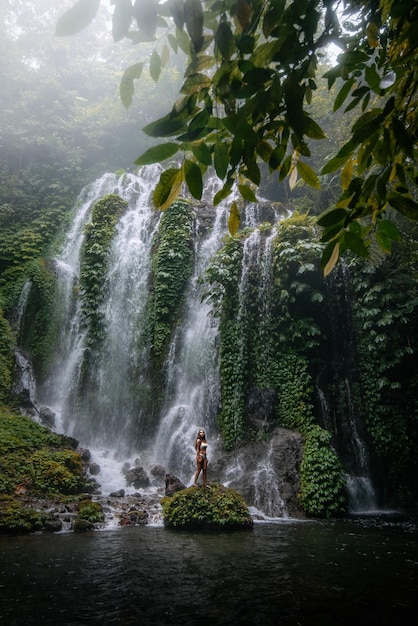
(137, 477)
(82, 525)
(47, 416)
(172, 485)
(138, 518)
(158, 471)
(85, 455)
(94, 469)
(265, 472)
(120, 493)
(70, 442)
(52, 525)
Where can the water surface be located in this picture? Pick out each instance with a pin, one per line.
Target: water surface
(309, 573)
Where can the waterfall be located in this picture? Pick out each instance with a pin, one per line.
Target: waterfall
(192, 391)
(352, 451)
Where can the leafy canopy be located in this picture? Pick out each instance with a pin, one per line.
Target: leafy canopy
(251, 75)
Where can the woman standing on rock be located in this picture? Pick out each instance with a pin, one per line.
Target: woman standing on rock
(201, 457)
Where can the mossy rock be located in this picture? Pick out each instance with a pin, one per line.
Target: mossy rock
(17, 519)
(90, 511)
(213, 507)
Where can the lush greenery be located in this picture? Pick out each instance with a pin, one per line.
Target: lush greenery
(36, 460)
(251, 76)
(281, 333)
(6, 359)
(213, 507)
(90, 511)
(99, 234)
(172, 266)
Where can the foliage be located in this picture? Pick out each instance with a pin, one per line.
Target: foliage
(91, 511)
(6, 358)
(32, 456)
(212, 507)
(99, 234)
(266, 288)
(250, 79)
(385, 317)
(16, 518)
(322, 489)
(38, 336)
(224, 274)
(172, 266)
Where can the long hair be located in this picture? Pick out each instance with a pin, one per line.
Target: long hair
(199, 437)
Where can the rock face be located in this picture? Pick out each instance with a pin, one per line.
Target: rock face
(172, 485)
(266, 473)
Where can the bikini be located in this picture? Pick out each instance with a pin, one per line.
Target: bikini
(203, 453)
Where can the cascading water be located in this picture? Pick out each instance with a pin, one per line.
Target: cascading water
(192, 391)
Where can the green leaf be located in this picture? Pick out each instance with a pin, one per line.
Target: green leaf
(193, 177)
(126, 87)
(234, 219)
(312, 129)
(165, 126)
(77, 17)
(224, 40)
(333, 165)
(404, 205)
(202, 153)
(220, 158)
(306, 172)
(193, 15)
(168, 188)
(355, 244)
(388, 229)
(173, 42)
(343, 93)
(122, 17)
(157, 154)
(155, 66)
(222, 193)
(183, 41)
(199, 63)
(195, 83)
(372, 78)
(247, 193)
(176, 8)
(331, 217)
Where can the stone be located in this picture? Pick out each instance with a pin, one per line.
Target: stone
(265, 472)
(94, 469)
(82, 525)
(85, 454)
(137, 477)
(172, 485)
(52, 525)
(47, 416)
(158, 471)
(117, 494)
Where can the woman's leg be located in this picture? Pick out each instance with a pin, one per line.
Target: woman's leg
(198, 470)
(204, 468)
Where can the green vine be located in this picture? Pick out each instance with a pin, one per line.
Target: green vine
(99, 234)
(172, 267)
(6, 358)
(269, 344)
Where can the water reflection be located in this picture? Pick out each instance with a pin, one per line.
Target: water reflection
(307, 573)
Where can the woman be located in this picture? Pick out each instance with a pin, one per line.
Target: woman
(201, 457)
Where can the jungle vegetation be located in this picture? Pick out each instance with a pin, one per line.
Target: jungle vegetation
(254, 106)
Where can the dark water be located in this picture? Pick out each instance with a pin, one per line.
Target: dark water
(362, 571)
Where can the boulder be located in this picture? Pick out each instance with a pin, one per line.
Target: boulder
(172, 485)
(137, 477)
(214, 507)
(94, 469)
